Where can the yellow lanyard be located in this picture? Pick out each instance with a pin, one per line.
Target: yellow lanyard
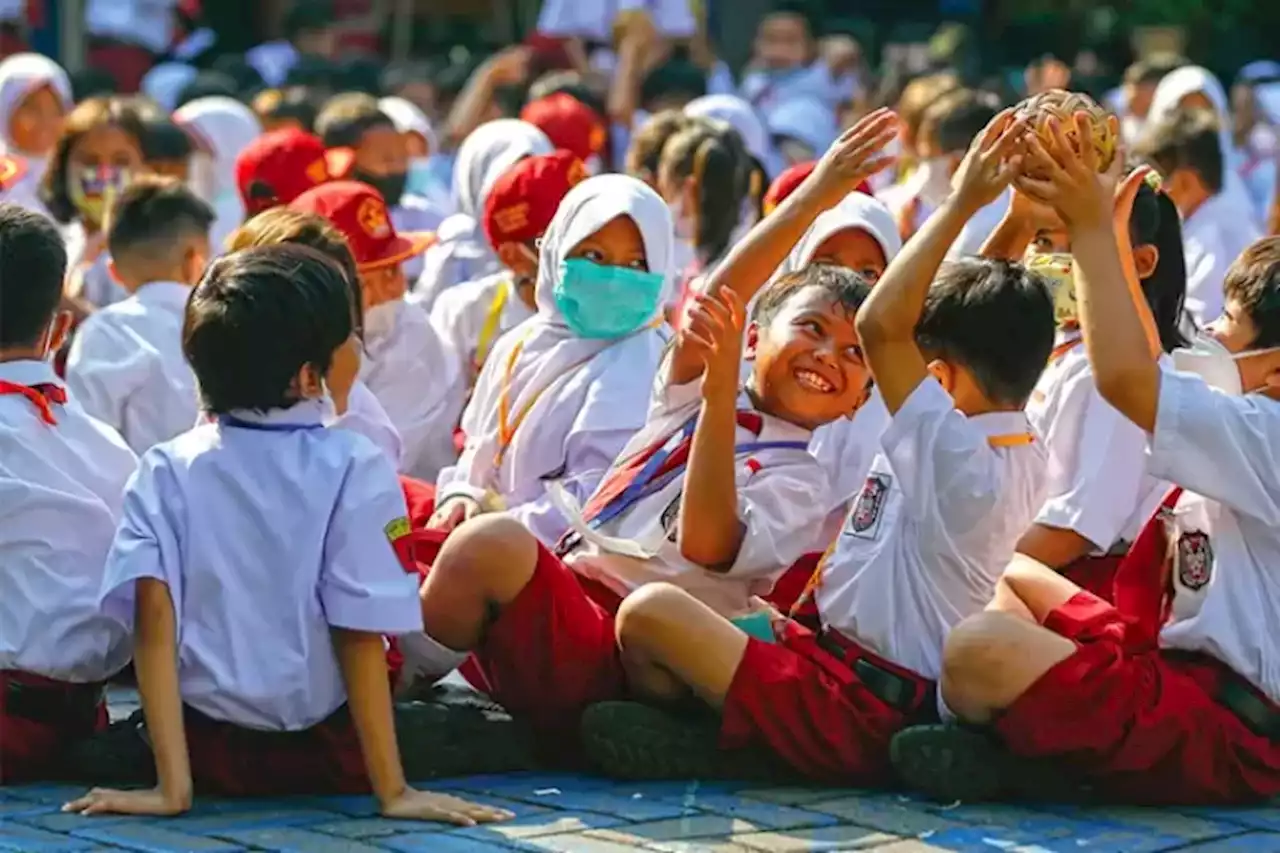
(1017, 439)
(492, 321)
(507, 428)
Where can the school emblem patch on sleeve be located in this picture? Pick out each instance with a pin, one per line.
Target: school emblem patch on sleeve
(864, 520)
(397, 529)
(671, 518)
(1195, 560)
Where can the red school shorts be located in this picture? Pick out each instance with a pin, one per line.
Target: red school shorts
(812, 709)
(39, 718)
(1095, 574)
(551, 652)
(1143, 725)
(232, 761)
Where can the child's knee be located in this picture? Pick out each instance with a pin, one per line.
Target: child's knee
(649, 613)
(493, 547)
(974, 660)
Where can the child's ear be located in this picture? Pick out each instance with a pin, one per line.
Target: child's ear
(1145, 259)
(310, 383)
(111, 271)
(62, 322)
(752, 337)
(944, 373)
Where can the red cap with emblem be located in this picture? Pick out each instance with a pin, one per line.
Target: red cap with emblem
(278, 167)
(521, 204)
(790, 180)
(568, 123)
(360, 213)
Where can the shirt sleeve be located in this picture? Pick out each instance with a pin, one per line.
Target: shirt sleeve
(146, 542)
(783, 508)
(946, 469)
(1097, 467)
(1218, 446)
(103, 371)
(363, 584)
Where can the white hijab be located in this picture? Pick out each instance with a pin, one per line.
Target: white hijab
(742, 117)
(20, 75)
(408, 118)
(1188, 80)
(224, 127)
(856, 210)
(611, 391)
(486, 153)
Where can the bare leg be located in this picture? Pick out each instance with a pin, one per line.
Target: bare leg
(481, 568)
(672, 642)
(1037, 588)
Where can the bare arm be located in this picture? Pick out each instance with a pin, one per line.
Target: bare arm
(362, 658)
(1056, 547)
(468, 111)
(753, 261)
(155, 661)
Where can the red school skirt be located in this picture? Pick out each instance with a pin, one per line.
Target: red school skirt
(232, 761)
(823, 704)
(1142, 724)
(39, 718)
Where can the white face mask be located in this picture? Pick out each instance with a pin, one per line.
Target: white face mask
(934, 180)
(380, 320)
(1214, 363)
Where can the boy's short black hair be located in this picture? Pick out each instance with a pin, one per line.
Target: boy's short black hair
(994, 318)
(802, 9)
(257, 318)
(678, 77)
(33, 262)
(164, 142)
(1253, 283)
(292, 103)
(345, 119)
(846, 289)
(237, 67)
(152, 220)
(956, 118)
(1186, 139)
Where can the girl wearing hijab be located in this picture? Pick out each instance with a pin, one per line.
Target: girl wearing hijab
(35, 96)
(100, 148)
(1193, 86)
(222, 128)
(460, 252)
(561, 394)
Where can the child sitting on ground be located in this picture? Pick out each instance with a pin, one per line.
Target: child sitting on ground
(125, 366)
(717, 493)
(305, 707)
(62, 474)
(959, 478)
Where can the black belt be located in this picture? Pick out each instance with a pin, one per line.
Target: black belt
(70, 704)
(1259, 715)
(895, 690)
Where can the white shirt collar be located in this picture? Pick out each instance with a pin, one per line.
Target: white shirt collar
(996, 424)
(29, 372)
(304, 414)
(166, 293)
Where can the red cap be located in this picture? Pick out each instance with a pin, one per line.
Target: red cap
(521, 204)
(787, 182)
(568, 123)
(279, 166)
(360, 213)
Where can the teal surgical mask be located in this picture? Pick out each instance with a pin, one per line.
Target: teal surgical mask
(606, 302)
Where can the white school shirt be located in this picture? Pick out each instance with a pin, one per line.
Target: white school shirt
(146, 23)
(782, 498)
(462, 315)
(1212, 238)
(1098, 484)
(127, 369)
(421, 386)
(269, 532)
(845, 449)
(61, 489)
(1225, 451)
(92, 282)
(932, 530)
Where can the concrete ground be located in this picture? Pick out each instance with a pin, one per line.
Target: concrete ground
(580, 813)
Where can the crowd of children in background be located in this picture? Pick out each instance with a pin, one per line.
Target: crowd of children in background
(708, 427)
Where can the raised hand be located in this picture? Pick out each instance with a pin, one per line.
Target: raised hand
(1067, 179)
(714, 325)
(992, 162)
(856, 155)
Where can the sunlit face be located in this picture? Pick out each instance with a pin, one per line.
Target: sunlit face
(382, 151)
(105, 145)
(343, 368)
(808, 365)
(855, 249)
(782, 41)
(1051, 241)
(617, 244)
(36, 122)
(382, 285)
(1196, 101)
(1138, 96)
(1236, 331)
(415, 144)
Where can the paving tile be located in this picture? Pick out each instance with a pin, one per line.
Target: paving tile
(379, 827)
(551, 823)
(823, 838)
(1253, 842)
(51, 794)
(797, 796)
(697, 826)
(763, 814)
(15, 808)
(1162, 822)
(522, 785)
(581, 843)
(27, 839)
(428, 843)
(153, 837)
(1265, 817)
(64, 822)
(299, 841)
(891, 813)
(222, 823)
(627, 806)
